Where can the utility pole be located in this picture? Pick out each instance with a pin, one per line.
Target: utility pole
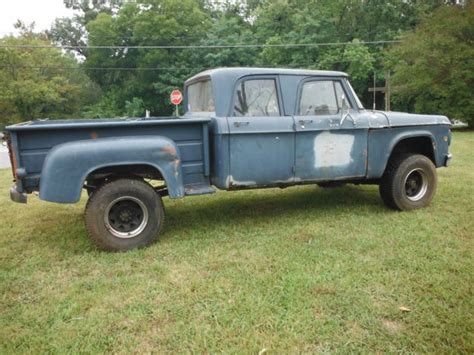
(384, 89)
(387, 91)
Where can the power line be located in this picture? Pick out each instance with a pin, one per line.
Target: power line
(213, 46)
(92, 68)
(198, 36)
(299, 65)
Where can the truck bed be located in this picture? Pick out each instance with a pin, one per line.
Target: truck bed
(31, 141)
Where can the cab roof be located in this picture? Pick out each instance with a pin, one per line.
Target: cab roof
(244, 71)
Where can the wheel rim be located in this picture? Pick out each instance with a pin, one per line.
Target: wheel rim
(416, 184)
(126, 217)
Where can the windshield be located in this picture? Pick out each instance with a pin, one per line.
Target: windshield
(200, 98)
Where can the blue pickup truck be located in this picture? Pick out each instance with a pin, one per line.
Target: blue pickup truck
(242, 128)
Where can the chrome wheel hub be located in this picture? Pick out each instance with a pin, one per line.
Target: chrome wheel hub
(416, 185)
(126, 217)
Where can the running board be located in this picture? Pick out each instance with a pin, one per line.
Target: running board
(198, 189)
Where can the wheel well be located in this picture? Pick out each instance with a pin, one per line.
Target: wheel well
(416, 145)
(129, 170)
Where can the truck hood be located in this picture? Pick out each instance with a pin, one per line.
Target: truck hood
(396, 119)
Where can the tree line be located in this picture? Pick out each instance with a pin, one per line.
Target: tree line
(106, 68)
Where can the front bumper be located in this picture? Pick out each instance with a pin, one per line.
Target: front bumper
(16, 196)
(447, 159)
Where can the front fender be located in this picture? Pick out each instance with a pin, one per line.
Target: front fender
(67, 165)
(381, 144)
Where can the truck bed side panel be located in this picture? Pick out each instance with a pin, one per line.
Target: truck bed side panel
(34, 145)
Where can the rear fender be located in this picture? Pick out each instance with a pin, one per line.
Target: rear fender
(67, 165)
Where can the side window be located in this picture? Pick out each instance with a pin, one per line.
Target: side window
(256, 97)
(320, 98)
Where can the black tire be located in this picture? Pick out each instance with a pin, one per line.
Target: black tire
(93, 185)
(331, 184)
(409, 182)
(124, 214)
(90, 191)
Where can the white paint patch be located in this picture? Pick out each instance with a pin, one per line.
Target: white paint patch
(333, 149)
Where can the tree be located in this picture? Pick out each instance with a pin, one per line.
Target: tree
(149, 74)
(134, 108)
(434, 65)
(72, 31)
(315, 21)
(40, 82)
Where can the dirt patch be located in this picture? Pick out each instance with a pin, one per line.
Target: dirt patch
(322, 290)
(392, 326)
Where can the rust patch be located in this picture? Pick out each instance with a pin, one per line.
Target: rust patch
(94, 135)
(169, 149)
(176, 167)
(366, 156)
(11, 155)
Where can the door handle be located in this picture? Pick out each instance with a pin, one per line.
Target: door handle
(241, 123)
(303, 122)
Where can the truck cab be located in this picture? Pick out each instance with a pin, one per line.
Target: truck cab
(279, 127)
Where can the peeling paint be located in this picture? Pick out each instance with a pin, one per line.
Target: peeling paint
(233, 182)
(176, 167)
(332, 149)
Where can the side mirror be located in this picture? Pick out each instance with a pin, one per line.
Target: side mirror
(345, 111)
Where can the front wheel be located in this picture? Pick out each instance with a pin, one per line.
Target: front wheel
(124, 214)
(409, 182)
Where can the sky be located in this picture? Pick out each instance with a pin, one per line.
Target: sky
(42, 12)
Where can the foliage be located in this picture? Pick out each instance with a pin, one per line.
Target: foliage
(298, 21)
(434, 65)
(134, 108)
(106, 107)
(35, 85)
(150, 74)
(150, 23)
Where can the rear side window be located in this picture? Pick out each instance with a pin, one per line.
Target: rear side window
(256, 97)
(321, 98)
(200, 98)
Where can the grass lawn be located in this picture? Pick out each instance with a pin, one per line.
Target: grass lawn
(296, 270)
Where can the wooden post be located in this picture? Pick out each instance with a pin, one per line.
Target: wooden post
(384, 89)
(387, 91)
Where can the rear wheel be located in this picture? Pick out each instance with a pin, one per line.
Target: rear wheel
(409, 182)
(93, 185)
(124, 214)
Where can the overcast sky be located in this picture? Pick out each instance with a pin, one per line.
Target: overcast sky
(42, 12)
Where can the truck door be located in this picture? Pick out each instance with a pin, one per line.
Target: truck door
(262, 139)
(327, 148)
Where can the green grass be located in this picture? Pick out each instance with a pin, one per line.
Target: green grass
(295, 270)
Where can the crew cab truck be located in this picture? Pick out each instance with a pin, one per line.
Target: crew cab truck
(242, 128)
